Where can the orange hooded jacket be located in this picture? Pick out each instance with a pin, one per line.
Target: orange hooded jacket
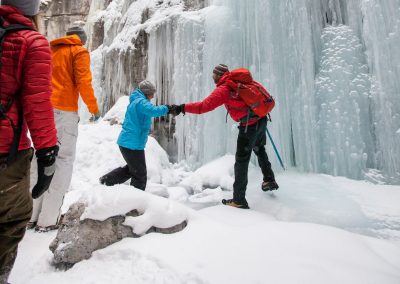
(71, 75)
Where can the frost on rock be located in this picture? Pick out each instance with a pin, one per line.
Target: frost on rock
(104, 218)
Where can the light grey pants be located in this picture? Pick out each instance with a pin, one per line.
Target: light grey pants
(46, 209)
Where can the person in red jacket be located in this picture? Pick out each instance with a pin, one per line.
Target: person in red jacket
(252, 134)
(25, 89)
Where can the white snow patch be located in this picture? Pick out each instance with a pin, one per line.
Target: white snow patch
(214, 174)
(117, 112)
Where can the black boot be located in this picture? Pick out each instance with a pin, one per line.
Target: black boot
(237, 204)
(116, 176)
(269, 185)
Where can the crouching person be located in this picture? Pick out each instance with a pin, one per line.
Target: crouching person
(133, 137)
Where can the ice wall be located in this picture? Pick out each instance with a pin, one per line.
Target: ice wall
(331, 65)
(343, 105)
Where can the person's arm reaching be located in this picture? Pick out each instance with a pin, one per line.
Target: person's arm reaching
(217, 98)
(147, 108)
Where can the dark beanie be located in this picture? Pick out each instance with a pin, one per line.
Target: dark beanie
(79, 32)
(220, 69)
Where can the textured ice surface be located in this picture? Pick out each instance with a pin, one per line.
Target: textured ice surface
(332, 65)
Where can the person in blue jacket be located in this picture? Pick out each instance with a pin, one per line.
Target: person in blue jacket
(133, 137)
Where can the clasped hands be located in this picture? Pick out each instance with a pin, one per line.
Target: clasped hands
(176, 110)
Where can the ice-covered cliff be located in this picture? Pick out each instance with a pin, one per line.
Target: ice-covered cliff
(332, 65)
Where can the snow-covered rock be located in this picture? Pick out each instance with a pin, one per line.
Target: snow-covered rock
(102, 217)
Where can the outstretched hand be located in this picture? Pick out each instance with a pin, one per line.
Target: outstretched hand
(176, 110)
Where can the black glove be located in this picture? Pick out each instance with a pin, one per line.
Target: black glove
(169, 109)
(46, 159)
(177, 110)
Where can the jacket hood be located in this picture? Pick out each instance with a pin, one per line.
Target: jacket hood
(136, 94)
(12, 15)
(67, 40)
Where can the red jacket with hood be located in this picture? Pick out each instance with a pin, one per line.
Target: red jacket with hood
(26, 65)
(222, 95)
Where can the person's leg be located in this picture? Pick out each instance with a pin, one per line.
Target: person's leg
(15, 210)
(116, 176)
(269, 182)
(245, 144)
(67, 133)
(259, 150)
(137, 166)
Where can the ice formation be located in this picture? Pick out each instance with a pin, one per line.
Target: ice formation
(332, 65)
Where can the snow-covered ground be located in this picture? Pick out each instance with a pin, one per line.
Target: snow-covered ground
(314, 229)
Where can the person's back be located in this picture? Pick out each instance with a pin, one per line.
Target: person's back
(21, 49)
(137, 122)
(71, 75)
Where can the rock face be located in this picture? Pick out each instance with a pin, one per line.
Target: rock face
(61, 15)
(77, 239)
(131, 67)
(194, 4)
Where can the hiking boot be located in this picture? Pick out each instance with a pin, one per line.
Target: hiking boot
(40, 229)
(116, 176)
(236, 204)
(31, 225)
(269, 185)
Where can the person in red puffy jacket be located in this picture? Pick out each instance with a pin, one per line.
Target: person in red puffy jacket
(252, 134)
(25, 89)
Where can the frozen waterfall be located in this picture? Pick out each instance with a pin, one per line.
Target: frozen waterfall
(332, 65)
(337, 99)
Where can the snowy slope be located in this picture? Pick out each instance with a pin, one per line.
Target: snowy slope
(303, 233)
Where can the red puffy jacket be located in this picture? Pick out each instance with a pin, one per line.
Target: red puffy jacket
(222, 95)
(26, 64)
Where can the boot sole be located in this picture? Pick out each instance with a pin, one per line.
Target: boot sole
(269, 189)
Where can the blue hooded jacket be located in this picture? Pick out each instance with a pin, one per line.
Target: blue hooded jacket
(137, 123)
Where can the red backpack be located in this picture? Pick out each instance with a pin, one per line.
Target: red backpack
(252, 93)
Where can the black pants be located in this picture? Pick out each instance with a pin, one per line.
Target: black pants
(136, 161)
(135, 170)
(251, 139)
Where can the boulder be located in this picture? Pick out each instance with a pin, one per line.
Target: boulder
(77, 239)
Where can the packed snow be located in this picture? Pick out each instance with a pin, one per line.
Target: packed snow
(320, 228)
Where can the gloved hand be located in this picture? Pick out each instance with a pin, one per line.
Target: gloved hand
(46, 159)
(95, 117)
(177, 110)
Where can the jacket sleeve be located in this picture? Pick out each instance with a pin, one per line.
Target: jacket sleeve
(147, 108)
(217, 98)
(36, 91)
(83, 79)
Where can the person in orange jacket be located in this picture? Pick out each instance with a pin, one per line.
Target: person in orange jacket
(71, 77)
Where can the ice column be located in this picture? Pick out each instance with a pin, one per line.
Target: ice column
(343, 100)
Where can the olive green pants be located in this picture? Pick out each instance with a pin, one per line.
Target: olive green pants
(15, 209)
